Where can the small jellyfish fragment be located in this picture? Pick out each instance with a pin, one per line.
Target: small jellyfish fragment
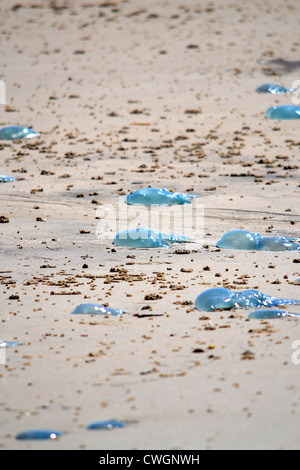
(7, 179)
(39, 434)
(271, 313)
(146, 238)
(97, 309)
(220, 298)
(283, 112)
(7, 344)
(274, 89)
(17, 132)
(158, 197)
(107, 425)
(244, 240)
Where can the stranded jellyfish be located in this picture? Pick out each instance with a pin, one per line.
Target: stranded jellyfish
(97, 309)
(219, 298)
(7, 179)
(283, 112)
(106, 425)
(17, 132)
(270, 314)
(39, 434)
(146, 238)
(158, 197)
(244, 240)
(274, 89)
(7, 344)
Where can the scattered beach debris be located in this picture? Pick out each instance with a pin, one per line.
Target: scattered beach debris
(7, 179)
(247, 355)
(283, 112)
(147, 238)
(271, 313)
(147, 315)
(17, 132)
(107, 425)
(244, 240)
(274, 89)
(39, 434)
(220, 298)
(158, 197)
(97, 309)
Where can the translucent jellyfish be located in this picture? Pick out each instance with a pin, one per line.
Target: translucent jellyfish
(147, 238)
(7, 344)
(17, 132)
(97, 309)
(158, 197)
(106, 425)
(244, 240)
(271, 313)
(274, 89)
(283, 112)
(219, 298)
(39, 434)
(214, 299)
(7, 179)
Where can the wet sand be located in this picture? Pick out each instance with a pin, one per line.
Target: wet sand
(126, 94)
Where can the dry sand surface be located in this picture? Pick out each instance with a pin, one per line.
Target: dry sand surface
(128, 94)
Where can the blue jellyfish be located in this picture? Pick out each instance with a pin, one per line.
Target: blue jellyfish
(283, 112)
(244, 240)
(271, 313)
(7, 344)
(17, 132)
(158, 197)
(97, 309)
(274, 89)
(220, 298)
(7, 179)
(39, 434)
(106, 425)
(146, 238)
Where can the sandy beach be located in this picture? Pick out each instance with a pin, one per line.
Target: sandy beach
(128, 94)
